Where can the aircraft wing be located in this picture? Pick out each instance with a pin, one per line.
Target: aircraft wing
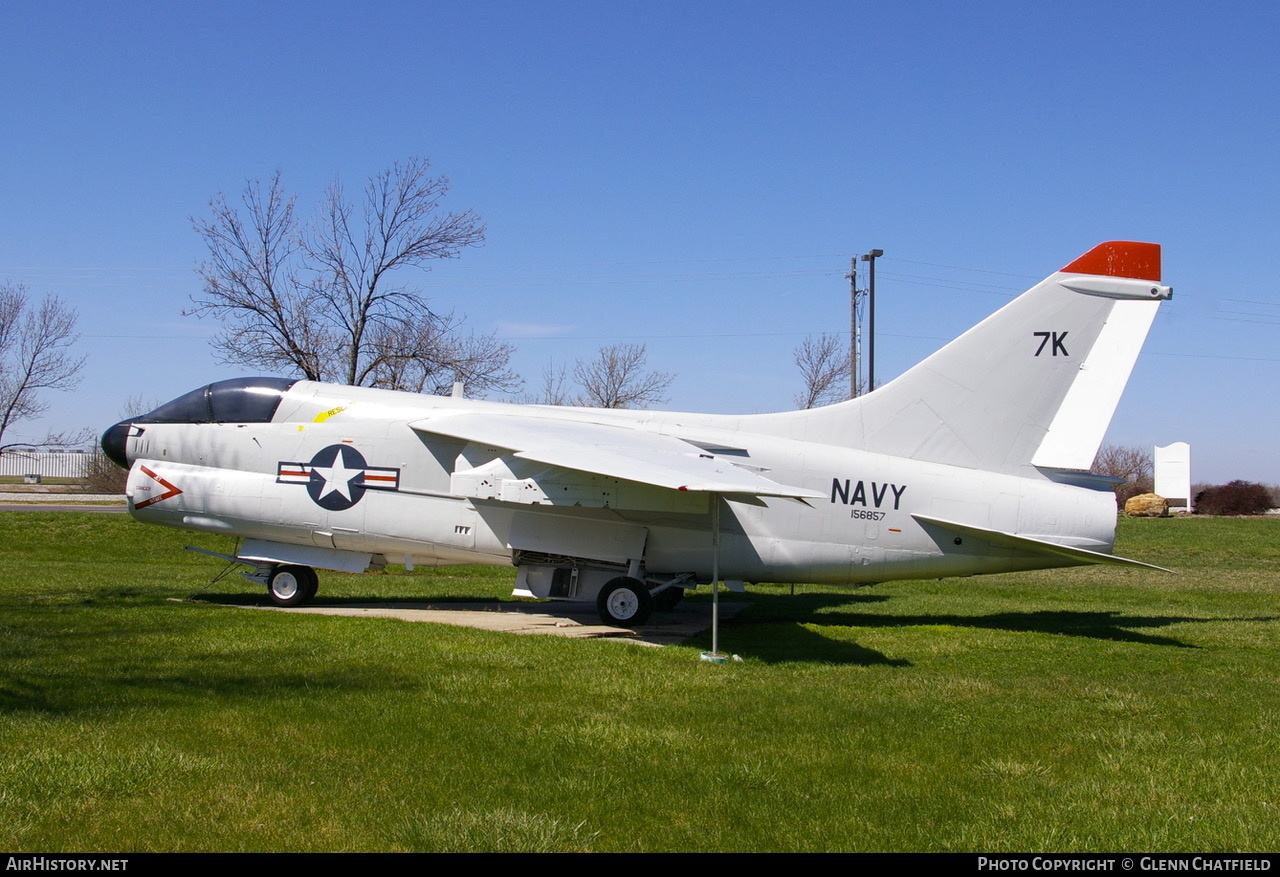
(616, 452)
(1036, 546)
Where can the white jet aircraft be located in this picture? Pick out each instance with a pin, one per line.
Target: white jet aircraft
(974, 461)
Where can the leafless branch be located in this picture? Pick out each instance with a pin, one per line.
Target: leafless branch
(617, 378)
(1128, 462)
(35, 353)
(321, 300)
(1133, 464)
(429, 355)
(553, 386)
(824, 364)
(71, 438)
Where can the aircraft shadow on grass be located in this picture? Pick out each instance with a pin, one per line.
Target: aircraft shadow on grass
(1108, 626)
(99, 681)
(781, 628)
(789, 643)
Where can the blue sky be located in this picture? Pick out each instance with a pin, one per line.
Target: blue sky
(694, 176)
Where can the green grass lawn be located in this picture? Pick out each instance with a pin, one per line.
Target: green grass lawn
(1093, 709)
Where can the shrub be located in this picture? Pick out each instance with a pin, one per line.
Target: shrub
(104, 476)
(1235, 498)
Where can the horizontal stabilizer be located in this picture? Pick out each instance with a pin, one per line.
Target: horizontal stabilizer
(1035, 546)
(600, 449)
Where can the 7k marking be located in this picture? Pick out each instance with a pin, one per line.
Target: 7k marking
(1057, 337)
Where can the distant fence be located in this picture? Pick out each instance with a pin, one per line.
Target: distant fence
(47, 464)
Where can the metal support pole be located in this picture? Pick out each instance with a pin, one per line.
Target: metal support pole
(852, 277)
(871, 318)
(714, 655)
(715, 574)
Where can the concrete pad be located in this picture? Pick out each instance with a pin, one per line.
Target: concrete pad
(578, 620)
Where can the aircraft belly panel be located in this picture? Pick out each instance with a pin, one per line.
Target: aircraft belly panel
(611, 541)
(265, 551)
(444, 528)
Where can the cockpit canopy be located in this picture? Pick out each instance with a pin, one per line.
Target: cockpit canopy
(238, 400)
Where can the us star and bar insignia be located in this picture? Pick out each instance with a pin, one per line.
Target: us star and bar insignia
(338, 476)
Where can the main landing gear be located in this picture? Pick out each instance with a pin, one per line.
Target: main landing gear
(627, 602)
(291, 585)
(624, 601)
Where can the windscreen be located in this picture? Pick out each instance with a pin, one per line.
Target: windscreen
(238, 400)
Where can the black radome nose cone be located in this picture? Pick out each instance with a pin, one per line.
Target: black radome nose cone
(114, 441)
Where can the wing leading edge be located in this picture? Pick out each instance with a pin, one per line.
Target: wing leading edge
(616, 452)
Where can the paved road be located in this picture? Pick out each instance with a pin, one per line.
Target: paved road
(33, 501)
(60, 507)
(41, 496)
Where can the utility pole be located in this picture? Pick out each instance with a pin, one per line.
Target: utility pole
(854, 364)
(871, 322)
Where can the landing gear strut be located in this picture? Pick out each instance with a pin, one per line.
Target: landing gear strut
(665, 601)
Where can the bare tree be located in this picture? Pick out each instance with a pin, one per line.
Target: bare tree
(102, 474)
(136, 403)
(617, 378)
(824, 364)
(1132, 463)
(553, 387)
(35, 354)
(322, 300)
(429, 355)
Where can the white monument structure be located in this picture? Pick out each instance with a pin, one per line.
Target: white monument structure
(1173, 475)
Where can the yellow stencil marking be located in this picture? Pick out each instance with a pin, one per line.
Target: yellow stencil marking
(325, 415)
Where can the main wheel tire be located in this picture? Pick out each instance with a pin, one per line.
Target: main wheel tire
(665, 601)
(624, 602)
(292, 585)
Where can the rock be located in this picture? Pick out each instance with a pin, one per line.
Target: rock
(1146, 505)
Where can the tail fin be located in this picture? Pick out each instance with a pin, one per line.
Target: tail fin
(1033, 385)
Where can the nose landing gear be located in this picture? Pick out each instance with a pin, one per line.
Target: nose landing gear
(291, 585)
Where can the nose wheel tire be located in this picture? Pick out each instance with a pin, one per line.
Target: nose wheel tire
(624, 602)
(292, 585)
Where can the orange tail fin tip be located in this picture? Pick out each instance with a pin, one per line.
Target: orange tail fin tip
(1135, 259)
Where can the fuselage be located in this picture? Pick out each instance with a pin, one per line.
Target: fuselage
(341, 468)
